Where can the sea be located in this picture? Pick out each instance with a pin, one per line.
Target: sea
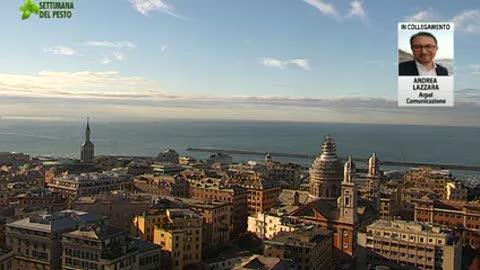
(406, 143)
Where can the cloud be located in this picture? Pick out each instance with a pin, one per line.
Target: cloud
(282, 64)
(111, 44)
(112, 96)
(75, 85)
(270, 62)
(475, 68)
(164, 48)
(61, 50)
(324, 7)
(302, 63)
(106, 60)
(109, 56)
(468, 93)
(147, 6)
(118, 56)
(468, 21)
(422, 16)
(356, 9)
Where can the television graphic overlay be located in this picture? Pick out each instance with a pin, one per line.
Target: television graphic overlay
(425, 64)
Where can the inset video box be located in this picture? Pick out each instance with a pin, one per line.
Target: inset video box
(425, 64)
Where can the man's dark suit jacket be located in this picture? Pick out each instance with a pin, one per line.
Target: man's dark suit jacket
(409, 68)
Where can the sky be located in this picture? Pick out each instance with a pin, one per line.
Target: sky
(293, 60)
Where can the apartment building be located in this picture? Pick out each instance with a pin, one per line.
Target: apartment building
(217, 218)
(108, 248)
(440, 182)
(216, 189)
(402, 244)
(268, 225)
(181, 237)
(310, 247)
(36, 241)
(87, 184)
(462, 216)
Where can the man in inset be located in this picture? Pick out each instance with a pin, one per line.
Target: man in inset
(424, 47)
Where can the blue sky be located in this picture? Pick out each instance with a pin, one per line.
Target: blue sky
(296, 59)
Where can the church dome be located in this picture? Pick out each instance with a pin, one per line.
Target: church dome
(329, 149)
(326, 172)
(328, 160)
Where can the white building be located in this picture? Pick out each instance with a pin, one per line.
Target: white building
(91, 183)
(267, 225)
(402, 244)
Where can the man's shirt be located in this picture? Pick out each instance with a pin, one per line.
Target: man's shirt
(422, 71)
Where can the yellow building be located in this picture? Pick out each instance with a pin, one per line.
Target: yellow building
(441, 182)
(216, 217)
(216, 220)
(143, 225)
(181, 236)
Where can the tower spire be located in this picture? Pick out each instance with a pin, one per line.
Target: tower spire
(373, 165)
(349, 171)
(87, 130)
(87, 153)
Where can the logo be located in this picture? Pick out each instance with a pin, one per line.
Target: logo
(47, 10)
(29, 8)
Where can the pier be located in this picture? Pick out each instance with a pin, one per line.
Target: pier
(308, 156)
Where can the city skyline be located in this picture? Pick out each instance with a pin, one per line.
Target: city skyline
(299, 60)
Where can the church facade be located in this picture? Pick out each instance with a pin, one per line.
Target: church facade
(335, 202)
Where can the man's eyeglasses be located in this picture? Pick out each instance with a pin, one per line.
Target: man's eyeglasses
(429, 48)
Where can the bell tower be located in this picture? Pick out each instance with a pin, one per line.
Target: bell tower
(87, 153)
(348, 198)
(347, 206)
(373, 178)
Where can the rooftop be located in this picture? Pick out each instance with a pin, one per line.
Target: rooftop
(57, 221)
(102, 232)
(93, 176)
(182, 213)
(286, 203)
(216, 184)
(197, 203)
(117, 198)
(410, 227)
(266, 263)
(307, 236)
